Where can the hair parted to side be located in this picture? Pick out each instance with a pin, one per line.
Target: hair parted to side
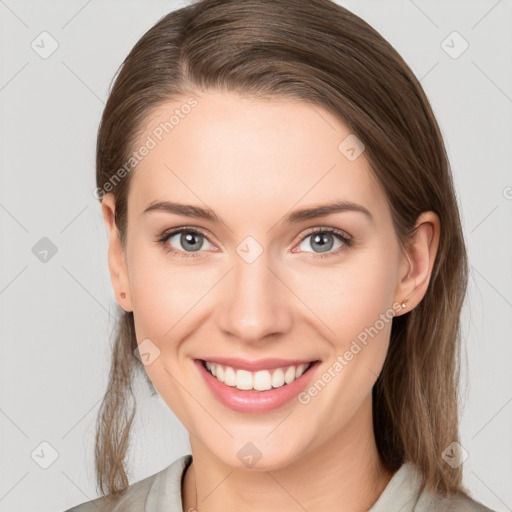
(318, 52)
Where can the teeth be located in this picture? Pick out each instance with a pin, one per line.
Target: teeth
(277, 378)
(243, 379)
(262, 380)
(229, 376)
(289, 376)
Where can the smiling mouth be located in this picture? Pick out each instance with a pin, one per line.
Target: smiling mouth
(261, 380)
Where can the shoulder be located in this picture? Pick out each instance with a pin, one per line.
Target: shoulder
(403, 493)
(100, 503)
(151, 493)
(456, 503)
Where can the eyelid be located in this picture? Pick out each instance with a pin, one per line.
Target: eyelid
(324, 229)
(340, 234)
(168, 233)
(346, 240)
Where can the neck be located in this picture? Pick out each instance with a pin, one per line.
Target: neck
(345, 470)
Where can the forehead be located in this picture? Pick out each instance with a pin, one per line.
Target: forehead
(246, 154)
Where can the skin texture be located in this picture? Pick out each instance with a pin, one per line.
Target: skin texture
(252, 161)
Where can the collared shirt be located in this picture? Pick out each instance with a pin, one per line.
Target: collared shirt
(161, 492)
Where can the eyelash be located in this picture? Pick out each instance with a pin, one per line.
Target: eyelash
(340, 235)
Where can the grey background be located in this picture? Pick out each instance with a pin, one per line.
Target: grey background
(56, 314)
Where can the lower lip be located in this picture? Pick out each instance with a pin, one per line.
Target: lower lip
(252, 401)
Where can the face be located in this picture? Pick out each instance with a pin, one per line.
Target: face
(254, 285)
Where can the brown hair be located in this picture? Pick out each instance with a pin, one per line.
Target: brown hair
(318, 52)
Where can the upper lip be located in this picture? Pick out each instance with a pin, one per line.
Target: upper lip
(255, 365)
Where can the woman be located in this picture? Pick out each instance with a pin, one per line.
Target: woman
(285, 242)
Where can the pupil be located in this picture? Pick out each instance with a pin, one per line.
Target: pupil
(187, 239)
(320, 239)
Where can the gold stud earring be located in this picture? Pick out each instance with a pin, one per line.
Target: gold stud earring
(404, 303)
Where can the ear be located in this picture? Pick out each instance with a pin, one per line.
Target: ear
(116, 256)
(418, 261)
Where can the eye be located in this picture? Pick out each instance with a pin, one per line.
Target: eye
(322, 240)
(186, 241)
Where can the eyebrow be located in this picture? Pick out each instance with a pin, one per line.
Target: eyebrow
(296, 216)
(326, 209)
(186, 210)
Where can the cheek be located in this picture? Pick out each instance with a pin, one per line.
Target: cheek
(163, 292)
(163, 299)
(351, 297)
(356, 306)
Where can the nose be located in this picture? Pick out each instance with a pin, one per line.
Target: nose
(256, 302)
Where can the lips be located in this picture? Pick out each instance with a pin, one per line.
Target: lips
(249, 399)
